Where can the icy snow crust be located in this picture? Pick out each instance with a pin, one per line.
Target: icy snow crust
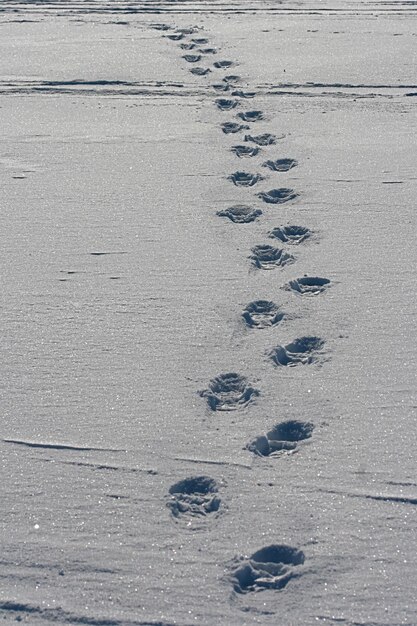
(188, 438)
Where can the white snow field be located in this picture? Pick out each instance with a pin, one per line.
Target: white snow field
(208, 312)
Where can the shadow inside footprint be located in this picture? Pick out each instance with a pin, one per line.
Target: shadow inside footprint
(221, 65)
(188, 46)
(301, 351)
(263, 140)
(229, 392)
(308, 285)
(207, 50)
(281, 165)
(283, 437)
(291, 234)
(271, 567)
(192, 58)
(240, 214)
(245, 151)
(262, 314)
(232, 127)
(194, 498)
(226, 105)
(221, 86)
(267, 257)
(175, 36)
(200, 71)
(232, 79)
(201, 41)
(251, 116)
(277, 196)
(244, 179)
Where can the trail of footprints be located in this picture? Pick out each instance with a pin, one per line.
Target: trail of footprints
(195, 499)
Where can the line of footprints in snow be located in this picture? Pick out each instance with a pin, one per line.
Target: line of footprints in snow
(197, 497)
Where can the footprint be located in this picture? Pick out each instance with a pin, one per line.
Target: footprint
(263, 140)
(309, 285)
(281, 165)
(207, 50)
(201, 41)
(240, 214)
(245, 151)
(200, 71)
(283, 437)
(231, 79)
(233, 127)
(194, 499)
(244, 94)
(251, 116)
(291, 234)
(262, 314)
(277, 196)
(192, 58)
(221, 87)
(267, 257)
(175, 36)
(188, 46)
(160, 26)
(226, 105)
(245, 179)
(221, 65)
(228, 392)
(271, 567)
(301, 351)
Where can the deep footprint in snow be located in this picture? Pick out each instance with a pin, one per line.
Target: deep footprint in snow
(251, 116)
(207, 50)
(175, 36)
(262, 314)
(221, 86)
(281, 165)
(188, 46)
(201, 41)
(240, 214)
(245, 151)
(244, 179)
(221, 65)
(194, 499)
(301, 351)
(229, 392)
(277, 196)
(226, 105)
(200, 71)
(283, 437)
(267, 257)
(308, 285)
(291, 234)
(192, 58)
(232, 79)
(271, 567)
(266, 139)
(231, 127)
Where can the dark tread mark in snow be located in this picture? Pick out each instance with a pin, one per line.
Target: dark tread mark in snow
(244, 179)
(192, 58)
(221, 86)
(262, 314)
(240, 214)
(291, 234)
(281, 165)
(226, 105)
(271, 567)
(251, 116)
(194, 497)
(245, 151)
(201, 41)
(231, 79)
(277, 196)
(283, 437)
(207, 50)
(244, 94)
(221, 65)
(266, 139)
(200, 71)
(301, 351)
(228, 392)
(176, 36)
(232, 127)
(267, 257)
(188, 46)
(308, 285)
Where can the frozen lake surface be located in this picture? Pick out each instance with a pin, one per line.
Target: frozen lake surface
(208, 312)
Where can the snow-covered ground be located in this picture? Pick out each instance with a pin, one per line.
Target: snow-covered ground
(208, 419)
